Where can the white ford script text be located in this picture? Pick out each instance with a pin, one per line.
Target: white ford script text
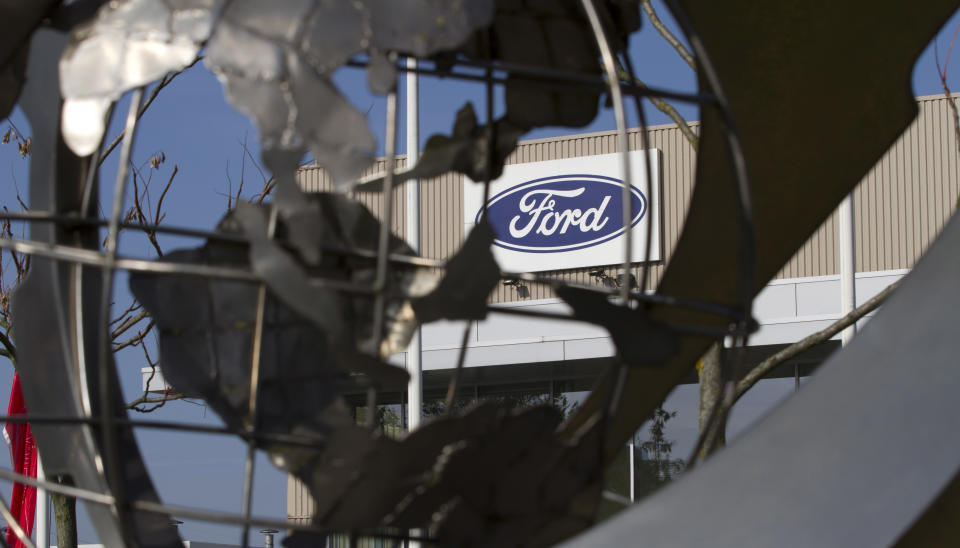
(547, 220)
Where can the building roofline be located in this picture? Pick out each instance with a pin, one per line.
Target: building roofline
(668, 126)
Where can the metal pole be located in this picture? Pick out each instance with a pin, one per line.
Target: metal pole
(415, 350)
(847, 266)
(43, 538)
(268, 537)
(633, 450)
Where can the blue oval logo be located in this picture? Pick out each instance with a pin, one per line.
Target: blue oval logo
(561, 213)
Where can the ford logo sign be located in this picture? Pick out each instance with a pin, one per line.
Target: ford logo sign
(561, 213)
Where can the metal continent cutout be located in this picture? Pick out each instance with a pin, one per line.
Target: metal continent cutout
(275, 61)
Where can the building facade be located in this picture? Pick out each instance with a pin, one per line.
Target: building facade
(899, 208)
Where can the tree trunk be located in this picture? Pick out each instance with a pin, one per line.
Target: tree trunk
(65, 516)
(711, 391)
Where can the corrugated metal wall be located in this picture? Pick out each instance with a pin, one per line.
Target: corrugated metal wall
(902, 203)
(899, 207)
(908, 196)
(314, 179)
(300, 505)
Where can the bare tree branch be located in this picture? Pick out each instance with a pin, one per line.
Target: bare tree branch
(10, 350)
(158, 402)
(159, 215)
(134, 340)
(664, 107)
(267, 189)
(133, 306)
(942, 73)
(667, 35)
(145, 398)
(243, 172)
(710, 376)
(810, 341)
(254, 161)
(769, 364)
(127, 324)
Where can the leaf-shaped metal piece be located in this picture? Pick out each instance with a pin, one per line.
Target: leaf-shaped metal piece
(381, 73)
(289, 282)
(299, 214)
(292, 104)
(311, 334)
(20, 19)
(128, 44)
(286, 279)
(538, 35)
(465, 150)
(452, 475)
(423, 28)
(503, 507)
(11, 80)
(276, 62)
(471, 274)
(640, 339)
(206, 330)
(550, 35)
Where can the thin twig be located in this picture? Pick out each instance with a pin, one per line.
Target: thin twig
(722, 406)
(133, 341)
(256, 164)
(678, 46)
(229, 194)
(153, 373)
(455, 379)
(133, 306)
(664, 107)
(243, 172)
(164, 82)
(943, 82)
(18, 134)
(159, 215)
(267, 189)
(10, 348)
(128, 324)
(769, 364)
(145, 398)
(159, 402)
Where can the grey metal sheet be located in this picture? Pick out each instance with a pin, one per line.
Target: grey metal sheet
(853, 459)
(58, 326)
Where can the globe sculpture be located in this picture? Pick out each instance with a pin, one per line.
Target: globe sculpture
(287, 306)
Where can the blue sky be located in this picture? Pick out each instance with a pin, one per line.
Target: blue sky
(191, 124)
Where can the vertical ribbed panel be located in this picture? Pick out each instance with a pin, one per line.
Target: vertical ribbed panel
(315, 179)
(441, 215)
(300, 505)
(904, 201)
(899, 206)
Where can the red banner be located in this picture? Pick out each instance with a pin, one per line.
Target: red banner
(23, 456)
